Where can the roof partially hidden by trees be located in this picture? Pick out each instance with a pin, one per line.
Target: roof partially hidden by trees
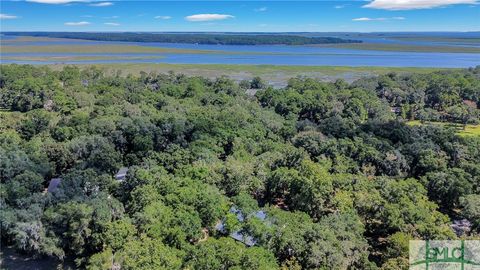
(121, 174)
(53, 184)
(239, 235)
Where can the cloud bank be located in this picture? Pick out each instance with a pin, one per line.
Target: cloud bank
(208, 17)
(112, 24)
(414, 4)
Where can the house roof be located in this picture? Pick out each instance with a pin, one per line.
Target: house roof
(461, 226)
(53, 184)
(122, 173)
(248, 240)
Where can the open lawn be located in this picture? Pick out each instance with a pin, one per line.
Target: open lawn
(470, 130)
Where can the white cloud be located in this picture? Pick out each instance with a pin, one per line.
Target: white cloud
(208, 17)
(55, 2)
(58, 2)
(111, 17)
(414, 4)
(262, 9)
(340, 6)
(112, 24)
(163, 17)
(102, 4)
(86, 16)
(76, 23)
(7, 17)
(367, 19)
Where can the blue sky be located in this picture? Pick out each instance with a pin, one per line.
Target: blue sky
(235, 16)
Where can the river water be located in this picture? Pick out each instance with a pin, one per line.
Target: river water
(257, 55)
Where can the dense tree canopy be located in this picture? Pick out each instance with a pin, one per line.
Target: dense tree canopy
(342, 180)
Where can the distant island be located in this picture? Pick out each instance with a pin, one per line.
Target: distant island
(193, 38)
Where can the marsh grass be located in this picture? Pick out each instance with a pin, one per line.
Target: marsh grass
(275, 75)
(405, 48)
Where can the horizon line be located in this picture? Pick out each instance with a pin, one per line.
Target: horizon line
(247, 32)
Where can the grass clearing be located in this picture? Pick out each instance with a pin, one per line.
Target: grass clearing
(470, 130)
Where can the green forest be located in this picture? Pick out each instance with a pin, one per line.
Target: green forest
(316, 175)
(194, 38)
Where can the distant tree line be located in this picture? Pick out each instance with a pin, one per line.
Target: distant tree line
(223, 39)
(344, 183)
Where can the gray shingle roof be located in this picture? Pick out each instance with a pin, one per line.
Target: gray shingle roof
(121, 174)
